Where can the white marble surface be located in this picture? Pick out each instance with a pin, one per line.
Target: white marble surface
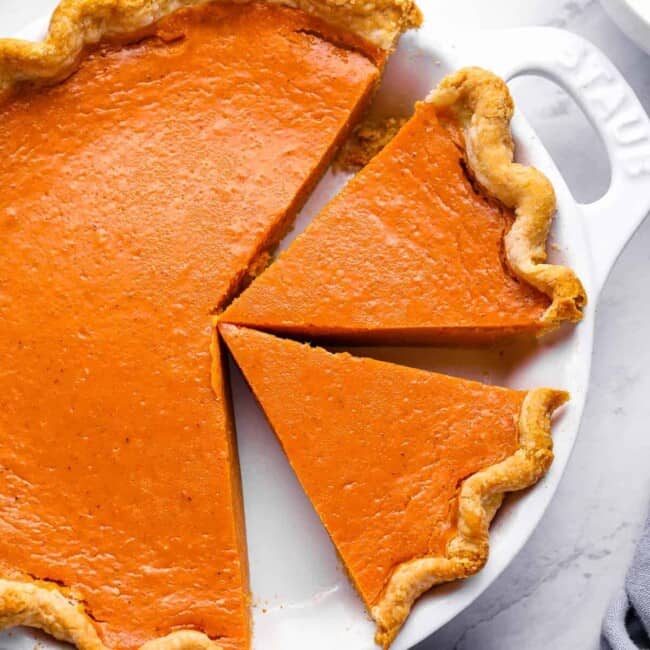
(555, 592)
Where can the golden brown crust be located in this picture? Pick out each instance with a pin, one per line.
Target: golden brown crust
(366, 141)
(77, 23)
(47, 608)
(480, 103)
(480, 497)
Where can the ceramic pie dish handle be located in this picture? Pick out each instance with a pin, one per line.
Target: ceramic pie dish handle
(614, 110)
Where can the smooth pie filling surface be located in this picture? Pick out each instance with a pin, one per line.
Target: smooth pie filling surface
(411, 251)
(136, 196)
(380, 449)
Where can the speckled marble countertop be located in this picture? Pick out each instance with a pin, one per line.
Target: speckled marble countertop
(555, 592)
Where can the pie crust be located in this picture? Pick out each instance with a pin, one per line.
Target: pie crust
(45, 607)
(481, 104)
(77, 23)
(480, 497)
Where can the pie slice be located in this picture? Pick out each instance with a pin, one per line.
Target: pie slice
(143, 180)
(440, 238)
(406, 468)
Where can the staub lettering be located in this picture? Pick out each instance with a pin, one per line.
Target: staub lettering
(610, 100)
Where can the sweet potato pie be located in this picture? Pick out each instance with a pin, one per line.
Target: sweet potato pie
(152, 156)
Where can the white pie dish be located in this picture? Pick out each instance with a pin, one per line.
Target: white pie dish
(295, 575)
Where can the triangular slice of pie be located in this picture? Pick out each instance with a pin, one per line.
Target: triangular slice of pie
(143, 179)
(440, 238)
(406, 468)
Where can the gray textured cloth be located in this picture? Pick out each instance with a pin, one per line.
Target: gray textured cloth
(627, 622)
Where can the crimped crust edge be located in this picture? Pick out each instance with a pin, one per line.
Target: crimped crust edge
(47, 608)
(480, 497)
(77, 23)
(481, 104)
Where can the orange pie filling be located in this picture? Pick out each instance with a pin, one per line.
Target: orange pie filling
(410, 251)
(380, 449)
(137, 196)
